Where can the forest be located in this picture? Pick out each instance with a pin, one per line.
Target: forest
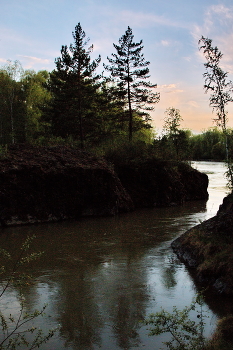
(106, 113)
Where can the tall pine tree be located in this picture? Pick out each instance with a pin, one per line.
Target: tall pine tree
(131, 71)
(74, 83)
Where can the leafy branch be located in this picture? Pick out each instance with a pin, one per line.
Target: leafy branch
(13, 328)
(185, 333)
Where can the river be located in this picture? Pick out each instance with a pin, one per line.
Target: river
(100, 277)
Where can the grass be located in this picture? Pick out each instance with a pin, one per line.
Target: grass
(223, 336)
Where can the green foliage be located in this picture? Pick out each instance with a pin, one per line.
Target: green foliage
(221, 91)
(72, 102)
(185, 333)
(16, 329)
(208, 145)
(175, 146)
(74, 86)
(216, 82)
(37, 99)
(24, 96)
(119, 151)
(175, 138)
(15, 333)
(172, 121)
(3, 151)
(11, 103)
(130, 71)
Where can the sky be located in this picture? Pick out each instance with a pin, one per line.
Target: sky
(33, 31)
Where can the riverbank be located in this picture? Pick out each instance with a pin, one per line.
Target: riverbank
(43, 184)
(208, 249)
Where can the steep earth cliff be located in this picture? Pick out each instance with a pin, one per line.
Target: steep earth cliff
(39, 184)
(161, 183)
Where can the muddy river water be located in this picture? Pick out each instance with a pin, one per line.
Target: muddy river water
(100, 277)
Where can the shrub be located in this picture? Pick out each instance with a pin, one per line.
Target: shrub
(15, 330)
(185, 334)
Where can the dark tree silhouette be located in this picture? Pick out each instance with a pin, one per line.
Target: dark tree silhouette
(74, 84)
(216, 82)
(130, 68)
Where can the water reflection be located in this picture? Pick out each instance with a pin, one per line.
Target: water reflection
(169, 276)
(79, 314)
(101, 277)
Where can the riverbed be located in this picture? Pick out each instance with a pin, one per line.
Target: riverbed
(100, 277)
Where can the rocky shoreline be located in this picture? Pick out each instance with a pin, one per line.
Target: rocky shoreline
(43, 184)
(207, 249)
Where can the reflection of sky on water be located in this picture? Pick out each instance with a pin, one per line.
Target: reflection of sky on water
(217, 184)
(101, 277)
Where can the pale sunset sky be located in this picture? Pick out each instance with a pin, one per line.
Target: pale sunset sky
(33, 31)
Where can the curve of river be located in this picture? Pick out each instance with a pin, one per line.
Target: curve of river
(102, 276)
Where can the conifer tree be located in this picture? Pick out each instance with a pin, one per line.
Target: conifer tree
(131, 71)
(73, 83)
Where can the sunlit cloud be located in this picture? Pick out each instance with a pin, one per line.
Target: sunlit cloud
(110, 32)
(217, 25)
(169, 88)
(31, 61)
(222, 10)
(141, 19)
(227, 50)
(193, 104)
(165, 42)
(214, 15)
(35, 59)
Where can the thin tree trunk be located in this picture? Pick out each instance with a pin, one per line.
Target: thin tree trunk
(11, 118)
(80, 110)
(130, 112)
(81, 126)
(130, 121)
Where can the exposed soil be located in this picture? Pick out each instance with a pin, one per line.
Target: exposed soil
(40, 184)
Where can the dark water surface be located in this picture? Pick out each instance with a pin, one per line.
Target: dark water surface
(102, 276)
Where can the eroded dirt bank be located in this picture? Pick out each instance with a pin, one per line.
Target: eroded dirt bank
(40, 184)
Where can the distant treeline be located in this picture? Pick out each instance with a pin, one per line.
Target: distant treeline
(74, 105)
(209, 145)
